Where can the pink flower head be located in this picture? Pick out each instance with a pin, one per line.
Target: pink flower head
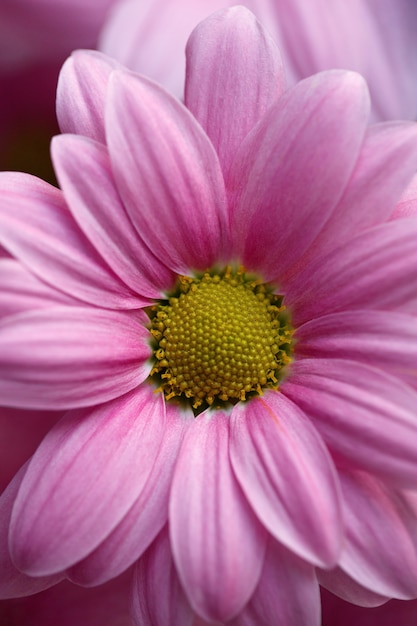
(217, 295)
(376, 38)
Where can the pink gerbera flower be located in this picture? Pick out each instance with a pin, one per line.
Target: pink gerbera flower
(217, 295)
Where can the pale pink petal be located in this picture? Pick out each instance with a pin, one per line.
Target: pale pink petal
(234, 73)
(287, 593)
(158, 598)
(39, 230)
(81, 93)
(291, 171)
(379, 548)
(85, 176)
(364, 415)
(67, 357)
(217, 542)
(145, 518)
(287, 475)
(167, 173)
(345, 587)
(20, 290)
(107, 452)
(377, 268)
(14, 584)
(387, 341)
(376, 184)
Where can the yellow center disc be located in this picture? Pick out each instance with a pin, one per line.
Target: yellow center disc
(225, 336)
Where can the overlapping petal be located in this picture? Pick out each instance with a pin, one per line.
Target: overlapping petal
(13, 583)
(287, 476)
(67, 357)
(378, 267)
(380, 549)
(158, 598)
(234, 73)
(81, 93)
(145, 518)
(39, 231)
(376, 183)
(364, 415)
(293, 168)
(214, 533)
(167, 173)
(84, 172)
(345, 587)
(106, 452)
(21, 291)
(287, 593)
(387, 340)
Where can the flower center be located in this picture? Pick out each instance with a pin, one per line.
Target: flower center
(222, 338)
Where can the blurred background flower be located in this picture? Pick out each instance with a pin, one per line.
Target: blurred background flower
(374, 37)
(35, 38)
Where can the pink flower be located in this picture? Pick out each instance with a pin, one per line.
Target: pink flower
(236, 254)
(375, 38)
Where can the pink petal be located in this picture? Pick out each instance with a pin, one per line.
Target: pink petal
(292, 169)
(83, 479)
(85, 176)
(38, 229)
(167, 173)
(234, 73)
(158, 598)
(377, 269)
(14, 584)
(65, 357)
(386, 341)
(81, 93)
(345, 587)
(381, 540)
(364, 415)
(376, 184)
(217, 543)
(20, 290)
(287, 475)
(287, 593)
(145, 518)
